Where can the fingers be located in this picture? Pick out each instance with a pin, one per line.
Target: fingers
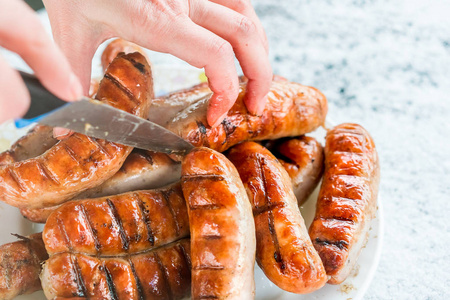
(77, 40)
(203, 49)
(22, 32)
(245, 8)
(14, 97)
(61, 133)
(243, 35)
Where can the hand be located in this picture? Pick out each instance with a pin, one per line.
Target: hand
(206, 34)
(22, 32)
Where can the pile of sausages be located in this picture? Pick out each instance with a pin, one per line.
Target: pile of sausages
(133, 224)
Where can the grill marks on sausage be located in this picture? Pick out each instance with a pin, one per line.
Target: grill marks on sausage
(116, 219)
(16, 179)
(145, 155)
(140, 67)
(62, 228)
(269, 206)
(200, 177)
(166, 197)
(46, 172)
(341, 244)
(110, 282)
(185, 255)
(164, 274)
(82, 292)
(99, 146)
(70, 152)
(145, 218)
(123, 88)
(139, 288)
(97, 244)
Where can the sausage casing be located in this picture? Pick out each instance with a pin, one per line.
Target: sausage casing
(222, 227)
(291, 110)
(347, 199)
(20, 265)
(118, 225)
(302, 158)
(283, 248)
(163, 273)
(79, 162)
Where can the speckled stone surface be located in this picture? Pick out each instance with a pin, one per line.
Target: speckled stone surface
(385, 65)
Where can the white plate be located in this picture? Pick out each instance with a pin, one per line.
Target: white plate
(169, 78)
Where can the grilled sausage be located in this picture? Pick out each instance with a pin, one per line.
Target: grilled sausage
(163, 273)
(302, 158)
(222, 229)
(79, 162)
(119, 46)
(291, 110)
(142, 170)
(118, 225)
(347, 199)
(283, 248)
(20, 265)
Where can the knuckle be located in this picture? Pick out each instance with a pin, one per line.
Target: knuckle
(222, 48)
(246, 27)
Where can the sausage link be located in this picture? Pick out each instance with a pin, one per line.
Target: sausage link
(117, 47)
(302, 158)
(222, 229)
(20, 265)
(283, 248)
(142, 170)
(79, 162)
(347, 199)
(291, 110)
(118, 225)
(163, 273)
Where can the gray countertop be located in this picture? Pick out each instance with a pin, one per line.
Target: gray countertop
(385, 65)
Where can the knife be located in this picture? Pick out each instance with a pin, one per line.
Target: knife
(95, 119)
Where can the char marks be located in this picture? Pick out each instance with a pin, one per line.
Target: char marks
(82, 292)
(99, 146)
(185, 256)
(110, 283)
(46, 172)
(139, 66)
(118, 221)
(164, 274)
(140, 291)
(123, 88)
(210, 177)
(166, 196)
(340, 244)
(97, 244)
(70, 151)
(16, 179)
(145, 219)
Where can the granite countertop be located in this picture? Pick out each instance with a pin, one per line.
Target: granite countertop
(386, 65)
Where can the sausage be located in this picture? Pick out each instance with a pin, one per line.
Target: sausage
(79, 162)
(142, 170)
(222, 229)
(302, 158)
(291, 110)
(20, 265)
(118, 225)
(38, 140)
(119, 46)
(347, 199)
(283, 248)
(163, 273)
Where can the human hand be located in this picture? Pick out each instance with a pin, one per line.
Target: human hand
(22, 32)
(206, 34)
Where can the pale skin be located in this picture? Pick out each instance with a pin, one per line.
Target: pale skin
(206, 34)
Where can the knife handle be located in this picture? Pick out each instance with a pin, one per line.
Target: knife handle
(42, 101)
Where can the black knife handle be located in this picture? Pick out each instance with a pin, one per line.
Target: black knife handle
(42, 101)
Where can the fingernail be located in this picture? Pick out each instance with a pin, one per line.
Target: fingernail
(61, 133)
(218, 121)
(76, 90)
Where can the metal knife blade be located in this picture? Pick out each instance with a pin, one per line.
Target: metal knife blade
(93, 118)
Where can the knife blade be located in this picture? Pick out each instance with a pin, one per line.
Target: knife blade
(95, 119)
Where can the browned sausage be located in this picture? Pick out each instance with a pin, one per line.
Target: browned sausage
(347, 199)
(118, 225)
(115, 48)
(163, 273)
(142, 170)
(222, 227)
(79, 162)
(20, 265)
(302, 158)
(291, 110)
(283, 248)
